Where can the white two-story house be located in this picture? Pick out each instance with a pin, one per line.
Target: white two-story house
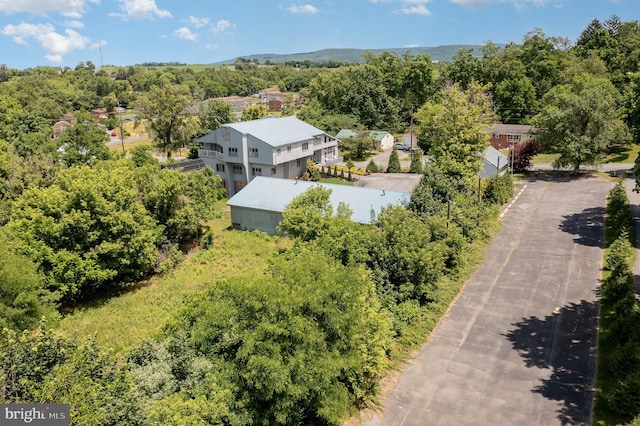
(277, 147)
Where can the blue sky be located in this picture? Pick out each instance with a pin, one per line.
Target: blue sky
(126, 32)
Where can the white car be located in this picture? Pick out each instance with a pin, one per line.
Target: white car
(402, 146)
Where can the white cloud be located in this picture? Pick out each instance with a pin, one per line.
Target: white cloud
(305, 9)
(518, 4)
(471, 4)
(141, 9)
(54, 58)
(71, 8)
(54, 43)
(414, 7)
(99, 44)
(222, 26)
(185, 33)
(411, 46)
(74, 24)
(197, 22)
(211, 46)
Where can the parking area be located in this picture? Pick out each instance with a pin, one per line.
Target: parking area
(518, 346)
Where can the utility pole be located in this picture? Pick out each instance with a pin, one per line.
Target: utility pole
(411, 132)
(121, 128)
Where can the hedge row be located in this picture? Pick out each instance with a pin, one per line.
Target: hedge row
(619, 361)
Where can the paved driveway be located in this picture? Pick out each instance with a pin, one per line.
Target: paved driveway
(518, 346)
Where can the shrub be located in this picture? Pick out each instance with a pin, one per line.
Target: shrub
(416, 162)
(522, 155)
(499, 189)
(394, 162)
(372, 166)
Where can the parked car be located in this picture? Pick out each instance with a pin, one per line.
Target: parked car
(401, 146)
(114, 134)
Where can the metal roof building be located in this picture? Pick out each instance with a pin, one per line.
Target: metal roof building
(260, 204)
(495, 163)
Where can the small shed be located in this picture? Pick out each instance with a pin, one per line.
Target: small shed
(260, 204)
(495, 163)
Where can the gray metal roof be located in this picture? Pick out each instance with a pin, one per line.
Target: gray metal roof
(495, 157)
(277, 131)
(273, 194)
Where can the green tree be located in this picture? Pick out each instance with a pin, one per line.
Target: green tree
(465, 68)
(163, 109)
(580, 122)
(212, 114)
(86, 231)
(632, 107)
(253, 113)
(38, 366)
(416, 162)
(452, 128)
(357, 91)
(357, 146)
(84, 142)
(23, 301)
(308, 215)
(394, 162)
(308, 340)
(406, 264)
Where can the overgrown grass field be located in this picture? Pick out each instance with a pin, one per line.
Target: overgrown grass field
(123, 321)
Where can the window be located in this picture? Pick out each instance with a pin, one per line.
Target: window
(278, 151)
(305, 146)
(257, 171)
(220, 168)
(237, 169)
(289, 149)
(253, 152)
(298, 162)
(233, 152)
(273, 171)
(226, 134)
(513, 138)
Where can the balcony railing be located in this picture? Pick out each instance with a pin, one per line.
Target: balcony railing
(209, 153)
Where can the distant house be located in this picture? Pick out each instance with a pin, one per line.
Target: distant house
(505, 135)
(495, 163)
(261, 203)
(67, 120)
(238, 104)
(410, 139)
(99, 113)
(274, 99)
(277, 147)
(59, 127)
(383, 140)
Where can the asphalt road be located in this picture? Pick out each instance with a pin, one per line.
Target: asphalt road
(518, 346)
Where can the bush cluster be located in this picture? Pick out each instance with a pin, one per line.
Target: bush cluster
(621, 312)
(499, 189)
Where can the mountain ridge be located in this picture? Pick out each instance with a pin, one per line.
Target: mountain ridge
(444, 53)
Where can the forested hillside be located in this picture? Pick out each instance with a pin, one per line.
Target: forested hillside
(307, 337)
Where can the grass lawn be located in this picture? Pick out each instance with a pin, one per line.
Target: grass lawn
(626, 154)
(336, 180)
(544, 158)
(129, 145)
(120, 322)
